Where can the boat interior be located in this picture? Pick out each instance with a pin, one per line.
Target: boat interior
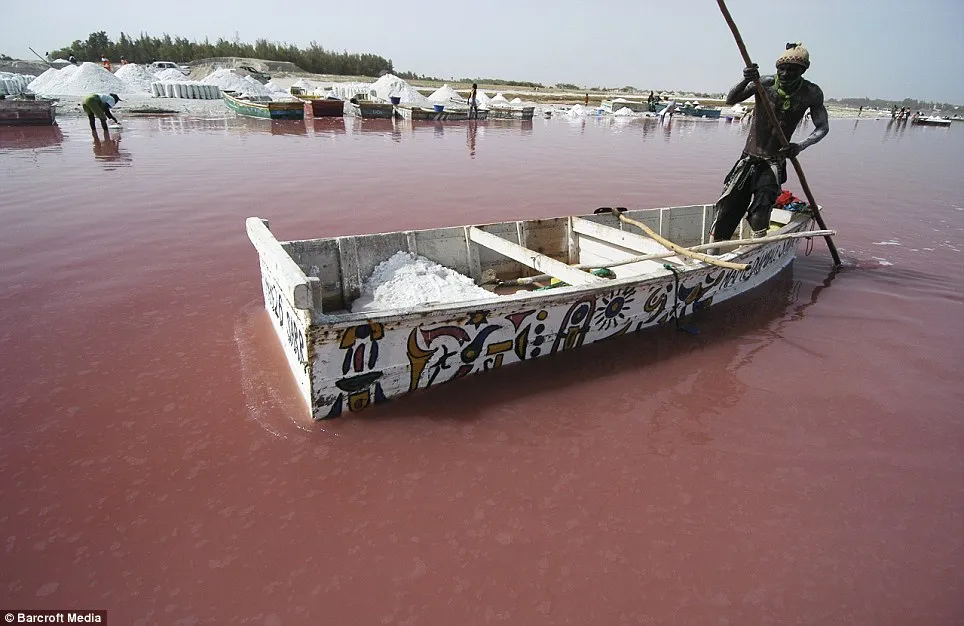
(533, 252)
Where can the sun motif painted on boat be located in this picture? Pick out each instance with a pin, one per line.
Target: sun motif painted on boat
(614, 308)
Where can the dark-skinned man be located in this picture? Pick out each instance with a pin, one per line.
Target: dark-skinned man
(752, 186)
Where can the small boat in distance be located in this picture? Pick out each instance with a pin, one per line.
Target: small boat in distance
(264, 107)
(564, 282)
(931, 120)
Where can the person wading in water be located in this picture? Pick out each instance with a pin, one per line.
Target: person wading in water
(752, 186)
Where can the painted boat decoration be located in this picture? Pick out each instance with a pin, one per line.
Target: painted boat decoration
(264, 107)
(345, 361)
(410, 112)
(18, 111)
(511, 112)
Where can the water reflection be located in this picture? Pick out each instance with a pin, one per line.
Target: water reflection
(327, 126)
(108, 152)
(30, 137)
(285, 127)
(471, 131)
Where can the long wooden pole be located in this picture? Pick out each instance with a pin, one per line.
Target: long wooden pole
(772, 115)
(40, 57)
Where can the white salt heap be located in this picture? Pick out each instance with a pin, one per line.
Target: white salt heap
(273, 88)
(137, 76)
(79, 81)
(228, 80)
(515, 101)
(301, 83)
(482, 100)
(446, 94)
(406, 281)
(624, 112)
(170, 75)
(390, 85)
(578, 110)
(499, 99)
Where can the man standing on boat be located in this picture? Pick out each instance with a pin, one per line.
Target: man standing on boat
(99, 106)
(752, 186)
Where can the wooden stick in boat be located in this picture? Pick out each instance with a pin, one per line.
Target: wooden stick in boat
(772, 115)
(662, 255)
(706, 258)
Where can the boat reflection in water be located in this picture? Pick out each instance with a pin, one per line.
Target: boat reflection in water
(30, 137)
(326, 126)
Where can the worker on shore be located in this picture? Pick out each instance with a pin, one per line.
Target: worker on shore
(72, 60)
(123, 61)
(753, 184)
(106, 63)
(99, 105)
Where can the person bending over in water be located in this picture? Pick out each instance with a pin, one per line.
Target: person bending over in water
(753, 184)
(99, 106)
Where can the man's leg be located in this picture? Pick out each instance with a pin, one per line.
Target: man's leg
(766, 190)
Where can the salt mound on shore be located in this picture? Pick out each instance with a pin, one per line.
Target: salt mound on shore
(137, 76)
(51, 76)
(390, 85)
(80, 81)
(170, 75)
(446, 94)
(228, 80)
(405, 281)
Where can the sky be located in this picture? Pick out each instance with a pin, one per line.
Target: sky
(878, 49)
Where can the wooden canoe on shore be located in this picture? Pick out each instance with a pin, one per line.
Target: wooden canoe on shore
(345, 361)
(264, 108)
(16, 111)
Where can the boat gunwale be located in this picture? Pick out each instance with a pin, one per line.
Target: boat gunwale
(336, 321)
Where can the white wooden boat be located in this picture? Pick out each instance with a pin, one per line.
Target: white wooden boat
(932, 120)
(346, 361)
(511, 112)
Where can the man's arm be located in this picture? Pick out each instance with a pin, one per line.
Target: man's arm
(746, 87)
(818, 113)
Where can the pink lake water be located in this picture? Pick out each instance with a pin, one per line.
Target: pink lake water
(799, 461)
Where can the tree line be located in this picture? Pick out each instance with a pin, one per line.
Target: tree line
(145, 49)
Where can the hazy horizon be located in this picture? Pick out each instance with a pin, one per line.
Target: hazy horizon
(858, 49)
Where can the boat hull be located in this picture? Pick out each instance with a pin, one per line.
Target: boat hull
(372, 110)
(446, 115)
(511, 113)
(323, 107)
(363, 359)
(16, 112)
(274, 110)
